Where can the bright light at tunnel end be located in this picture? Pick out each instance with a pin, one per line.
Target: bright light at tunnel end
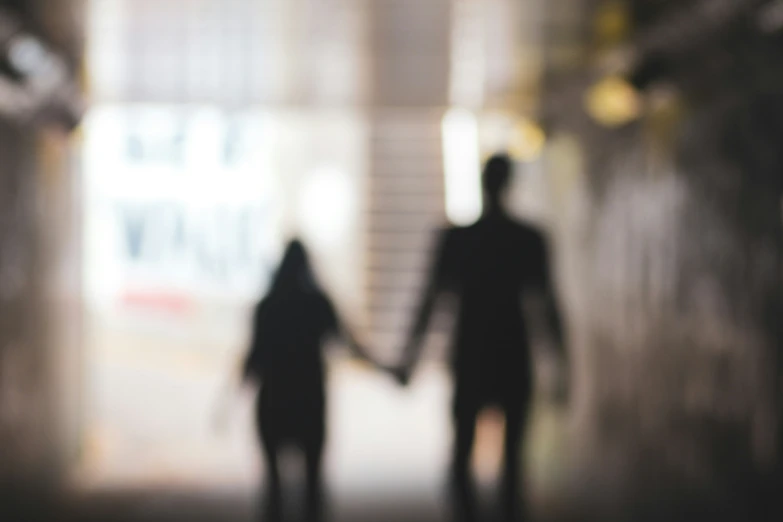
(326, 206)
(462, 166)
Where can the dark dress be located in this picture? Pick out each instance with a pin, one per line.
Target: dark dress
(286, 357)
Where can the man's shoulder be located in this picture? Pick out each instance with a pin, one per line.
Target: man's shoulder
(520, 231)
(447, 232)
(456, 235)
(529, 230)
(529, 237)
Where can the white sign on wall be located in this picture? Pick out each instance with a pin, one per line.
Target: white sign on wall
(182, 208)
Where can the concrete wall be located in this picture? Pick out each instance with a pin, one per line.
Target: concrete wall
(26, 396)
(678, 276)
(39, 290)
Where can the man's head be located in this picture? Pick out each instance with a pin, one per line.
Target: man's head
(497, 174)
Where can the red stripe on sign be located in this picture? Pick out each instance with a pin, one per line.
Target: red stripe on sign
(168, 302)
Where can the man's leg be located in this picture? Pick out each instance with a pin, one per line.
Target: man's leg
(464, 495)
(512, 487)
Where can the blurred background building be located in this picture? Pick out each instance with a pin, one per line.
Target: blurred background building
(40, 256)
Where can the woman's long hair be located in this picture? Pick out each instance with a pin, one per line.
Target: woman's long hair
(295, 274)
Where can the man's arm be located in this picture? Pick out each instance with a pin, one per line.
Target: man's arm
(552, 311)
(433, 285)
(340, 329)
(552, 307)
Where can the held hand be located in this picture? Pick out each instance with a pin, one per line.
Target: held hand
(401, 374)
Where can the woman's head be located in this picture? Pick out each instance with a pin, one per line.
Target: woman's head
(294, 273)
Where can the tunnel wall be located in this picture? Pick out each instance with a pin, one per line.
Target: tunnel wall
(677, 292)
(682, 360)
(676, 284)
(39, 276)
(25, 400)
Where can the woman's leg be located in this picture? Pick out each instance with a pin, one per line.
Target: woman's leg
(313, 467)
(270, 447)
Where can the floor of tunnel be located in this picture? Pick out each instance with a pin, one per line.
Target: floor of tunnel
(155, 454)
(154, 424)
(386, 459)
(213, 505)
(647, 504)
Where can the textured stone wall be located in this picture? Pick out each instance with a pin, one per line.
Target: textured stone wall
(24, 383)
(38, 275)
(679, 281)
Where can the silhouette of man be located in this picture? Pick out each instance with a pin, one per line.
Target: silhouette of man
(489, 266)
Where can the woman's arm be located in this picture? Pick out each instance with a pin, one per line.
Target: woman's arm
(251, 368)
(341, 329)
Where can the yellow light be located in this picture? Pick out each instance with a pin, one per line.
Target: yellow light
(613, 102)
(527, 141)
(612, 22)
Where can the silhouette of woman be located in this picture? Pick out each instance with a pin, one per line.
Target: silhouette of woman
(290, 327)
